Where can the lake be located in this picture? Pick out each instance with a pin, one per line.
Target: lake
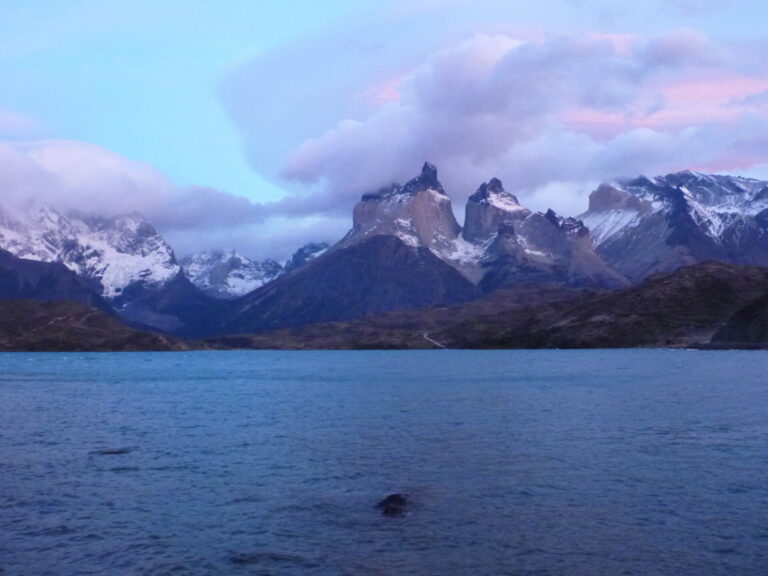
(625, 462)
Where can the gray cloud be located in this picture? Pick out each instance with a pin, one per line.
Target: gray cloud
(366, 102)
(88, 179)
(493, 106)
(756, 100)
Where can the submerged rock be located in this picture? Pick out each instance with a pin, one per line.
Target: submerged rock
(269, 559)
(112, 451)
(393, 505)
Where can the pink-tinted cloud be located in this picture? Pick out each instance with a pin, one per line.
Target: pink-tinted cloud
(383, 93)
(749, 101)
(539, 114)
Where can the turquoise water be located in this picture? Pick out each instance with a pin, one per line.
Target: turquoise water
(639, 462)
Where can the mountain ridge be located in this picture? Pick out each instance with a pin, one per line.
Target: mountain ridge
(405, 250)
(646, 225)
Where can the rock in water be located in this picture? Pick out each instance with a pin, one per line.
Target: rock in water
(112, 451)
(393, 505)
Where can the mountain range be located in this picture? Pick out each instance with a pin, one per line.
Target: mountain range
(405, 250)
(648, 225)
(711, 304)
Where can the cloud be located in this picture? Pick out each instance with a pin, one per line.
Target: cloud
(69, 174)
(553, 98)
(756, 100)
(88, 179)
(542, 115)
(14, 125)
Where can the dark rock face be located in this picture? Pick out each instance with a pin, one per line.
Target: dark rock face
(393, 505)
(378, 274)
(487, 209)
(176, 307)
(748, 327)
(522, 247)
(427, 180)
(418, 213)
(45, 281)
(645, 226)
(545, 248)
(305, 254)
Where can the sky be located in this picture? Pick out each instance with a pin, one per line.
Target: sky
(257, 125)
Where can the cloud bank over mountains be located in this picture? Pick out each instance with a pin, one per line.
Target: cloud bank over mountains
(552, 100)
(550, 117)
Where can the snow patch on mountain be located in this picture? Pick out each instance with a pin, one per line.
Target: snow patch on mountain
(603, 225)
(500, 237)
(227, 274)
(418, 213)
(305, 254)
(715, 203)
(113, 252)
(651, 225)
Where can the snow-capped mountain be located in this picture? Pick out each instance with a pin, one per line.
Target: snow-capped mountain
(305, 254)
(648, 225)
(519, 246)
(227, 274)
(502, 243)
(487, 209)
(419, 214)
(389, 260)
(406, 250)
(122, 259)
(112, 253)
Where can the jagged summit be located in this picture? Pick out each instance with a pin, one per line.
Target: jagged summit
(419, 214)
(488, 208)
(227, 274)
(111, 253)
(305, 254)
(495, 185)
(427, 180)
(647, 225)
(491, 189)
(502, 243)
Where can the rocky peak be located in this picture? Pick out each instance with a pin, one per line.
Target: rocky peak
(495, 186)
(304, 254)
(608, 197)
(492, 190)
(649, 225)
(502, 242)
(111, 252)
(427, 180)
(545, 247)
(226, 274)
(419, 214)
(487, 209)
